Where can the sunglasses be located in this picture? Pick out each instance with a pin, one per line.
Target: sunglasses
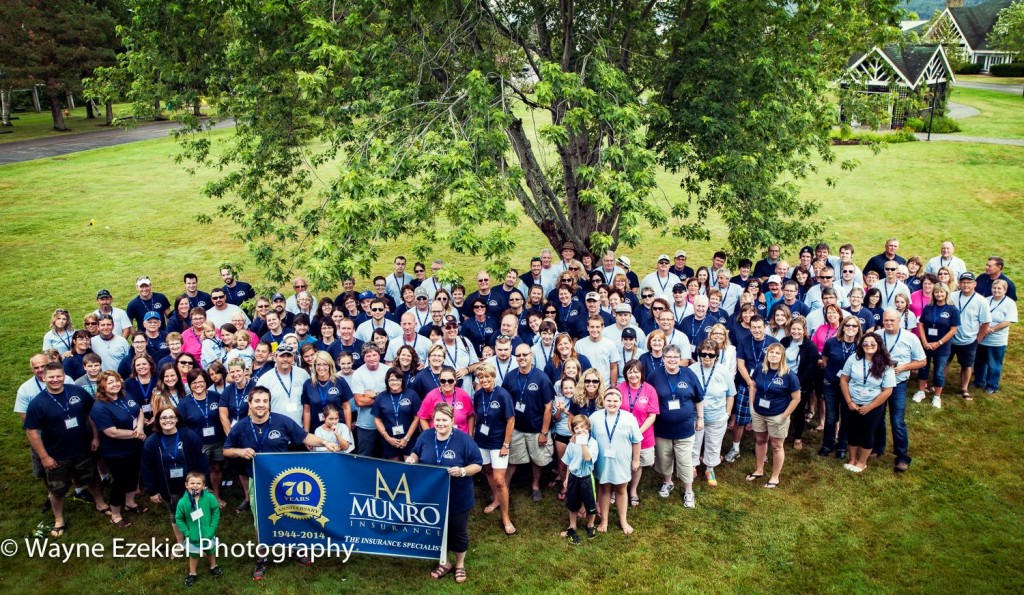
(708, 354)
(848, 271)
(824, 277)
(523, 354)
(91, 323)
(479, 307)
(444, 381)
(422, 297)
(888, 270)
(574, 268)
(483, 280)
(451, 326)
(646, 295)
(550, 312)
(376, 309)
(189, 364)
(216, 297)
(658, 308)
(591, 381)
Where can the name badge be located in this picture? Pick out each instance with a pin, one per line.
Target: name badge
(233, 422)
(484, 430)
(177, 473)
(147, 408)
(291, 408)
(321, 417)
(71, 423)
(933, 332)
(208, 431)
(673, 405)
(610, 453)
(398, 430)
(197, 514)
(521, 407)
(764, 403)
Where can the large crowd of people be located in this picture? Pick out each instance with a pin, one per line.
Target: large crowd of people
(576, 370)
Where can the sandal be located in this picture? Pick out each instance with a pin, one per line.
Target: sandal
(460, 574)
(554, 483)
(967, 396)
(490, 508)
(561, 495)
(798, 445)
(510, 529)
(139, 509)
(105, 511)
(771, 485)
(441, 571)
(121, 524)
(754, 476)
(634, 501)
(58, 531)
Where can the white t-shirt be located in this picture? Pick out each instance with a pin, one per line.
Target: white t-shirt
(111, 351)
(365, 331)
(364, 380)
(285, 391)
(332, 438)
(602, 354)
(121, 320)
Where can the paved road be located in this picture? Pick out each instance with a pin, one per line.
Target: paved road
(959, 138)
(959, 111)
(52, 146)
(1015, 89)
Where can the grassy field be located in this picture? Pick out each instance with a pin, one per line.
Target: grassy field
(995, 80)
(1000, 113)
(953, 523)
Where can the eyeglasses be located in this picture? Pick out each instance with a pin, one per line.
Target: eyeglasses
(591, 381)
(512, 299)
(824, 277)
(483, 280)
(888, 270)
(444, 381)
(479, 306)
(168, 418)
(258, 306)
(851, 326)
(524, 354)
(299, 286)
(418, 271)
(707, 354)
(376, 309)
(422, 297)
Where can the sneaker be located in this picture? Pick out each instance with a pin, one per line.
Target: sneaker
(260, 569)
(591, 532)
(937, 402)
(666, 489)
(216, 571)
(191, 580)
(244, 506)
(710, 475)
(824, 451)
(989, 391)
(573, 536)
(688, 500)
(732, 455)
(84, 496)
(919, 396)
(901, 467)
(841, 454)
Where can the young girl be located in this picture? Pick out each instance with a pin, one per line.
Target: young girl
(241, 348)
(618, 440)
(213, 348)
(333, 432)
(578, 486)
(197, 517)
(560, 417)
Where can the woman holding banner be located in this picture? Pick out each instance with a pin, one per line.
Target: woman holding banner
(446, 446)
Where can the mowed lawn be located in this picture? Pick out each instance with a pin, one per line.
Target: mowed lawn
(953, 523)
(1000, 117)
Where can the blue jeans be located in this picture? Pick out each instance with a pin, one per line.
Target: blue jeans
(833, 405)
(938, 361)
(988, 367)
(897, 405)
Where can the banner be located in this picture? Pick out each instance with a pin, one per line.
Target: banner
(337, 500)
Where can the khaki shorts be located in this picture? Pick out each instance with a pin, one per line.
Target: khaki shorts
(525, 449)
(777, 426)
(675, 455)
(647, 457)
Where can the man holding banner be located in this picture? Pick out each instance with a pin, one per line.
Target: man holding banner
(265, 432)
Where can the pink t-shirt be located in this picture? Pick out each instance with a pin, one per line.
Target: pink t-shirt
(641, 403)
(463, 405)
(918, 300)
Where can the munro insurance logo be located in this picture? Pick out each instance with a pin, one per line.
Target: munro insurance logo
(390, 508)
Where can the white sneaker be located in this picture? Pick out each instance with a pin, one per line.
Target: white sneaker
(732, 455)
(666, 489)
(689, 501)
(919, 396)
(937, 402)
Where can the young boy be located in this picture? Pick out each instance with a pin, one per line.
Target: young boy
(197, 516)
(579, 485)
(93, 366)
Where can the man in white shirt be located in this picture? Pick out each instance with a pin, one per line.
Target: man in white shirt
(602, 352)
(292, 305)
(946, 259)
(623, 320)
(367, 382)
(549, 273)
(377, 311)
(410, 337)
(826, 280)
(285, 383)
(122, 324)
(661, 280)
(222, 312)
(907, 355)
(110, 347)
(816, 318)
(730, 291)
(890, 286)
(608, 268)
(975, 318)
(397, 280)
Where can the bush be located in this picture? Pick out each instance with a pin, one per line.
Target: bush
(942, 125)
(871, 137)
(1013, 69)
(914, 124)
(967, 68)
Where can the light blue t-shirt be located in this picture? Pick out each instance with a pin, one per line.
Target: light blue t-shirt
(974, 312)
(904, 347)
(718, 385)
(863, 386)
(573, 458)
(1004, 310)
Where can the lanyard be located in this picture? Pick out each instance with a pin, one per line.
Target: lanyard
(828, 335)
(760, 351)
(421, 321)
(563, 311)
(206, 411)
(451, 358)
(497, 364)
(629, 399)
(288, 387)
(124, 406)
(847, 352)
(888, 294)
(439, 451)
(396, 404)
(67, 403)
(864, 369)
(42, 386)
(146, 390)
(174, 454)
(65, 340)
(673, 383)
(520, 381)
(483, 408)
(614, 426)
(677, 316)
(700, 327)
(454, 396)
(764, 389)
(624, 359)
(725, 294)
(239, 398)
(149, 307)
(320, 390)
(664, 286)
(262, 434)
(991, 308)
(962, 306)
(546, 354)
(705, 382)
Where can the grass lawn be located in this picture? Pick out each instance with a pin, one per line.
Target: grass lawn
(33, 125)
(953, 523)
(994, 80)
(1002, 114)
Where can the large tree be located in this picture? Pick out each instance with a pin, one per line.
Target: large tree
(1008, 33)
(360, 121)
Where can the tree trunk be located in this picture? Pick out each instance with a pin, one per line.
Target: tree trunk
(5, 107)
(55, 111)
(195, 108)
(110, 113)
(89, 113)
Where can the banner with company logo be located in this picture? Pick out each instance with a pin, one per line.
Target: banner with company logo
(360, 504)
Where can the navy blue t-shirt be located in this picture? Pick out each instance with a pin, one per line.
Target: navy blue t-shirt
(554, 372)
(138, 308)
(141, 393)
(531, 394)
(493, 411)
(776, 389)
(571, 319)
(695, 330)
(273, 435)
(73, 366)
(202, 299)
(752, 352)
(203, 417)
(937, 321)
(458, 450)
(355, 350)
(678, 395)
(866, 318)
(121, 414)
(316, 395)
(480, 333)
(156, 347)
(236, 400)
(238, 294)
(424, 382)
(52, 414)
(836, 352)
(397, 410)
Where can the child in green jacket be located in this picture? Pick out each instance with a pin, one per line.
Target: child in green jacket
(197, 516)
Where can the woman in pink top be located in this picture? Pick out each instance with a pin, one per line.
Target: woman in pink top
(640, 399)
(922, 297)
(449, 393)
(833, 317)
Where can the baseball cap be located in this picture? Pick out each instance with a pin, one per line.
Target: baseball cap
(774, 279)
(422, 292)
(277, 296)
(592, 297)
(103, 293)
(968, 276)
(678, 288)
(450, 320)
(366, 295)
(681, 253)
(663, 257)
(285, 349)
(150, 316)
(624, 261)
(143, 281)
(623, 309)
(629, 333)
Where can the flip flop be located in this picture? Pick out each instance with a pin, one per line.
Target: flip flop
(121, 524)
(771, 485)
(105, 511)
(440, 572)
(460, 574)
(58, 531)
(754, 476)
(537, 496)
(490, 508)
(509, 529)
(139, 509)
(561, 495)
(967, 396)
(634, 501)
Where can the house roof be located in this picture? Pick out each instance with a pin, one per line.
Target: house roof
(975, 22)
(909, 61)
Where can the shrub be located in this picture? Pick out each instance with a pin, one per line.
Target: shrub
(914, 124)
(1013, 69)
(942, 125)
(967, 68)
